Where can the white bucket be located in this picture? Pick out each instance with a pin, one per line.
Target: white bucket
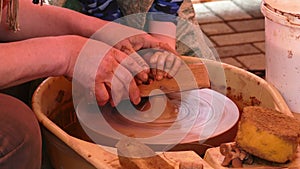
(282, 32)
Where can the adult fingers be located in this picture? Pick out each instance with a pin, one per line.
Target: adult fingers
(138, 81)
(128, 82)
(130, 49)
(101, 93)
(134, 63)
(140, 61)
(128, 45)
(112, 80)
(167, 47)
(118, 91)
(149, 41)
(163, 46)
(124, 46)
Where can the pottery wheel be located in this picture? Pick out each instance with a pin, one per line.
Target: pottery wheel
(165, 119)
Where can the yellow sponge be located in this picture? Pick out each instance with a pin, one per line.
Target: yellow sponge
(268, 134)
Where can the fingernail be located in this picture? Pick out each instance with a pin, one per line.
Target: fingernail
(145, 76)
(139, 82)
(112, 104)
(137, 100)
(147, 70)
(165, 75)
(159, 77)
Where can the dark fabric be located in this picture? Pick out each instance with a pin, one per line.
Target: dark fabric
(109, 9)
(104, 9)
(20, 137)
(166, 6)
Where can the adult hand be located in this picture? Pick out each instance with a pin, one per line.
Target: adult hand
(128, 39)
(143, 41)
(110, 73)
(164, 62)
(115, 78)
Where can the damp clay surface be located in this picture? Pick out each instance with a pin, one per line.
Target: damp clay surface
(181, 117)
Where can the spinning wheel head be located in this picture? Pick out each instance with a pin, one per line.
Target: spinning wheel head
(202, 114)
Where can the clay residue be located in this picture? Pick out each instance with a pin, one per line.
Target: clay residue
(274, 122)
(240, 101)
(290, 54)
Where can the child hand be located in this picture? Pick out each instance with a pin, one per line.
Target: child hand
(163, 64)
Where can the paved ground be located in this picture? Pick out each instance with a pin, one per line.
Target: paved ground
(236, 28)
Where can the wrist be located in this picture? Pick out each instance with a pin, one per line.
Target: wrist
(164, 31)
(75, 46)
(112, 33)
(163, 28)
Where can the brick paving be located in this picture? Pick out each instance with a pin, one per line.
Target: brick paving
(236, 28)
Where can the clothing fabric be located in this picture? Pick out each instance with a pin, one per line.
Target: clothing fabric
(160, 8)
(110, 10)
(20, 137)
(190, 39)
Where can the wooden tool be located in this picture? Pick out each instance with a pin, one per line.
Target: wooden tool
(136, 155)
(105, 157)
(188, 77)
